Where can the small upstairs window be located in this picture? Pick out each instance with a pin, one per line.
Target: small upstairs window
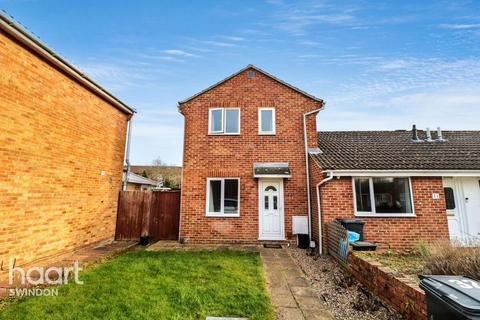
(266, 121)
(224, 121)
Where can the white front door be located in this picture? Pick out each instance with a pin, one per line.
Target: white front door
(271, 218)
(463, 208)
(471, 194)
(453, 210)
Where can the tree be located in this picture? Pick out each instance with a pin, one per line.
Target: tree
(170, 175)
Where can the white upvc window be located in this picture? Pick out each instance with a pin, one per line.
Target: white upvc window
(266, 121)
(383, 196)
(224, 121)
(223, 197)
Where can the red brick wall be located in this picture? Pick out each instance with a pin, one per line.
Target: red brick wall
(55, 139)
(398, 292)
(430, 222)
(233, 156)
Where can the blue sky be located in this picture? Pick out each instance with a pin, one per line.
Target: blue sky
(377, 65)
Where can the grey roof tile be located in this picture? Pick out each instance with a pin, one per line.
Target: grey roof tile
(395, 150)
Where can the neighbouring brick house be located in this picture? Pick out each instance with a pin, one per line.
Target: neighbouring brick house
(249, 138)
(407, 185)
(62, 141)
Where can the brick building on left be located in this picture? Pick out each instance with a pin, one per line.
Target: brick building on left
(62, 148)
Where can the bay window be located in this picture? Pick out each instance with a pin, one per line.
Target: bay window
(383, 196)
(223, 197)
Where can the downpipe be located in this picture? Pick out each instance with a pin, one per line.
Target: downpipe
(320, 239)
(307, 169)
(127, 154)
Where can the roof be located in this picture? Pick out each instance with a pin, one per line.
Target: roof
(251, 66)
(271, 169)
(137, 179)
(395, 150)
(28, 39)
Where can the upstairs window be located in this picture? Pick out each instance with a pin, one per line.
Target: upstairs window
(383, 196)
(224, 121)
(266, 121)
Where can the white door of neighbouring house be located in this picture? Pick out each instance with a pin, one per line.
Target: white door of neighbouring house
(453, 210)
(471, 193)
(271, 216)
(462, 197)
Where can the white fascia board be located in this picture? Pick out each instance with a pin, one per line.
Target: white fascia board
(404, 173)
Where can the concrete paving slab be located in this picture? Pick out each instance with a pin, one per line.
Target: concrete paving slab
(291, 294)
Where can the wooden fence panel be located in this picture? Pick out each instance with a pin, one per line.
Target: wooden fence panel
(146, 213)
(337, 237)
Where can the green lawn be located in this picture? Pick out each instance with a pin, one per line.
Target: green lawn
(158, 285)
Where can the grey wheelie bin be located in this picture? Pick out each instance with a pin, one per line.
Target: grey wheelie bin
(451, 297)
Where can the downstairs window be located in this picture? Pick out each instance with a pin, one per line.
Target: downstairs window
(383, 196)
(223, 197)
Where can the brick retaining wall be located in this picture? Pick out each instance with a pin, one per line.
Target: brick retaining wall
(389, 286)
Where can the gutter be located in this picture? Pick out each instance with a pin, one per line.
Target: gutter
(320, 240)
(307, 169)
(404, 173)
(19, 33)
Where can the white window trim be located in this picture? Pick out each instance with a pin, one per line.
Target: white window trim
(210, 126)
(222, 198)
(260, 132)
(224, 116)
(373, 213)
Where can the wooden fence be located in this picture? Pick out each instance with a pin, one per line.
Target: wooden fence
(147, 213)
(337, 237)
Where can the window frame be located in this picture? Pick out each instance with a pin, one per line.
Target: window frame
(260, 131)
(374, 213)
(222, 198)
(224, 122)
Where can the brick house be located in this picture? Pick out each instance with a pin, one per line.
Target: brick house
(244, 149)
(247, 143)
(62, 147)
(407, 185)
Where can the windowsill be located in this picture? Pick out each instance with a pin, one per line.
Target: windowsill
(223, 134)
(216, 215)
(386, 215)
(266, 133)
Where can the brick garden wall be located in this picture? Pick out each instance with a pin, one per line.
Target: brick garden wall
(56, 137)
(429, 224)
(398, 292)
(233, 156)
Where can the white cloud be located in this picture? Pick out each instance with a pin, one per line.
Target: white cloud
(219, 43)
(451, 110)
(181, 53)
(460, 26)
(233, 38)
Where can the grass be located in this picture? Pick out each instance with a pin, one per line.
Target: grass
(158, 285)
(439, 258)
(444, 257)
(406, 263)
